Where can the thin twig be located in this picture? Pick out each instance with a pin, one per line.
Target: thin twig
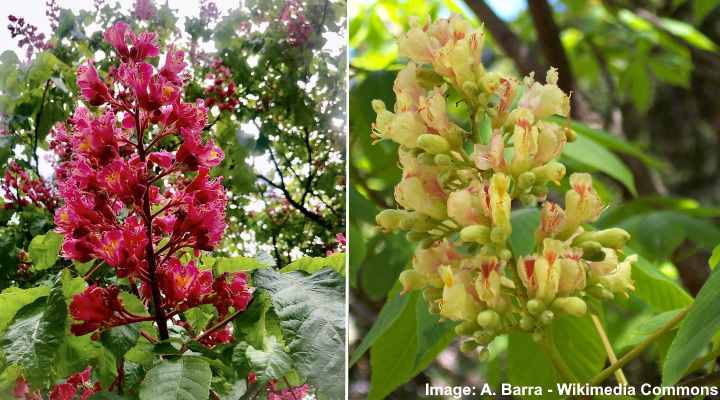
(619, 375)
(637, 350)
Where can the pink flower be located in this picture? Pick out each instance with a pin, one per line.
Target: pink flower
(91, 87)
(97, 139)
(222, 335)
(194, 154)
(21, 388)
(63, 391)
(94, 307)
(184, 283)
(143, 45)
(162, 158)
(202, 212)
(236, 293)
(174, 64)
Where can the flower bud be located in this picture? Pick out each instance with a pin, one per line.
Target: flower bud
(378, 106)
(505, 255)
(483, 337)
(468, 346)
(475, 233)
(599, 292)
(488, 319)
(546, 317)
(572, 276)
(550, 172)
(426, 159)
(528, 200)
(433, 144)
(443, 159)
(484, 355)
(574, 306)
(526, 180)
(592, 251)
(527, 323)
(390, 220)
(535, 307)
(411, 280)
(614, 238)
(466, 328)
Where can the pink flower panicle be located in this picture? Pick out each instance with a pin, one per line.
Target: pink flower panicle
(53, 13)
(298, 27)
(136, 207)
(144, 9)
(222, 90)
(20, 189)
(30, 38)
(76, 386)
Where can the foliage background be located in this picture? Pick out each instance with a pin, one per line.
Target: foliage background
(283, 169)
(644, 78)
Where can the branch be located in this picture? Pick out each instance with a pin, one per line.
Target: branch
(374, 195)
(619, 375)
(318, 219)
(525, 61)
(549, 37)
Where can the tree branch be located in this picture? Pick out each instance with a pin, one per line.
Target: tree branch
(525, 61)
(549, 38)
(318, 219)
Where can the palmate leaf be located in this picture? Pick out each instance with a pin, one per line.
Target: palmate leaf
(269, 363)
(33, 338)
(44, 250)
(315, 264)
(187, 378)
(311, 309)
(13, 299)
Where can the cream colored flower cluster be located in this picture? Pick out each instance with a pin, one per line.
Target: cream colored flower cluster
(460, 179)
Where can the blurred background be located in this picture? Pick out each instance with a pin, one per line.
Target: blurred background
(644, 77)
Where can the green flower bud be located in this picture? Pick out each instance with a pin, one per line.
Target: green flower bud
(546, 317)
(488, 319)
(433, 144)
(540, 191)
(535, 307)
(412, 280)
(466, 328)
(484, 355)
(426, 159)
(570, 135)
(483, 337)
(571, 305)
(592, 251)
(499, 235)
(390, 220)
(527, 323)
(537, 336)
(468, 346)
(600, 292)
(378, 106)
(443, 160)
(614, 238)
(526, 180)
(505, 254)
(475, 233)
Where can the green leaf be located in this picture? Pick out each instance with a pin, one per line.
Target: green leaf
(120, 339)
(696, 331)
(14, 298)
(315, 264)
(395, 357)
(642, 328)
(387, 317)
(271, 363)
(233, 264)
(611, 142)
(701, 8)
(576, 340)
(638, 82)
(689, 33)
(311, 309)
(187, 378)
(33, 338)
(595, 156)
(524, 224)
(715, 257)
(44, 250)
(658, 290)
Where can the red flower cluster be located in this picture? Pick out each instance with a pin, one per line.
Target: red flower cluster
(77, 384)
(299, 28)
(222, 89)
(29, 35)
(135, 206)
(20, 190)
